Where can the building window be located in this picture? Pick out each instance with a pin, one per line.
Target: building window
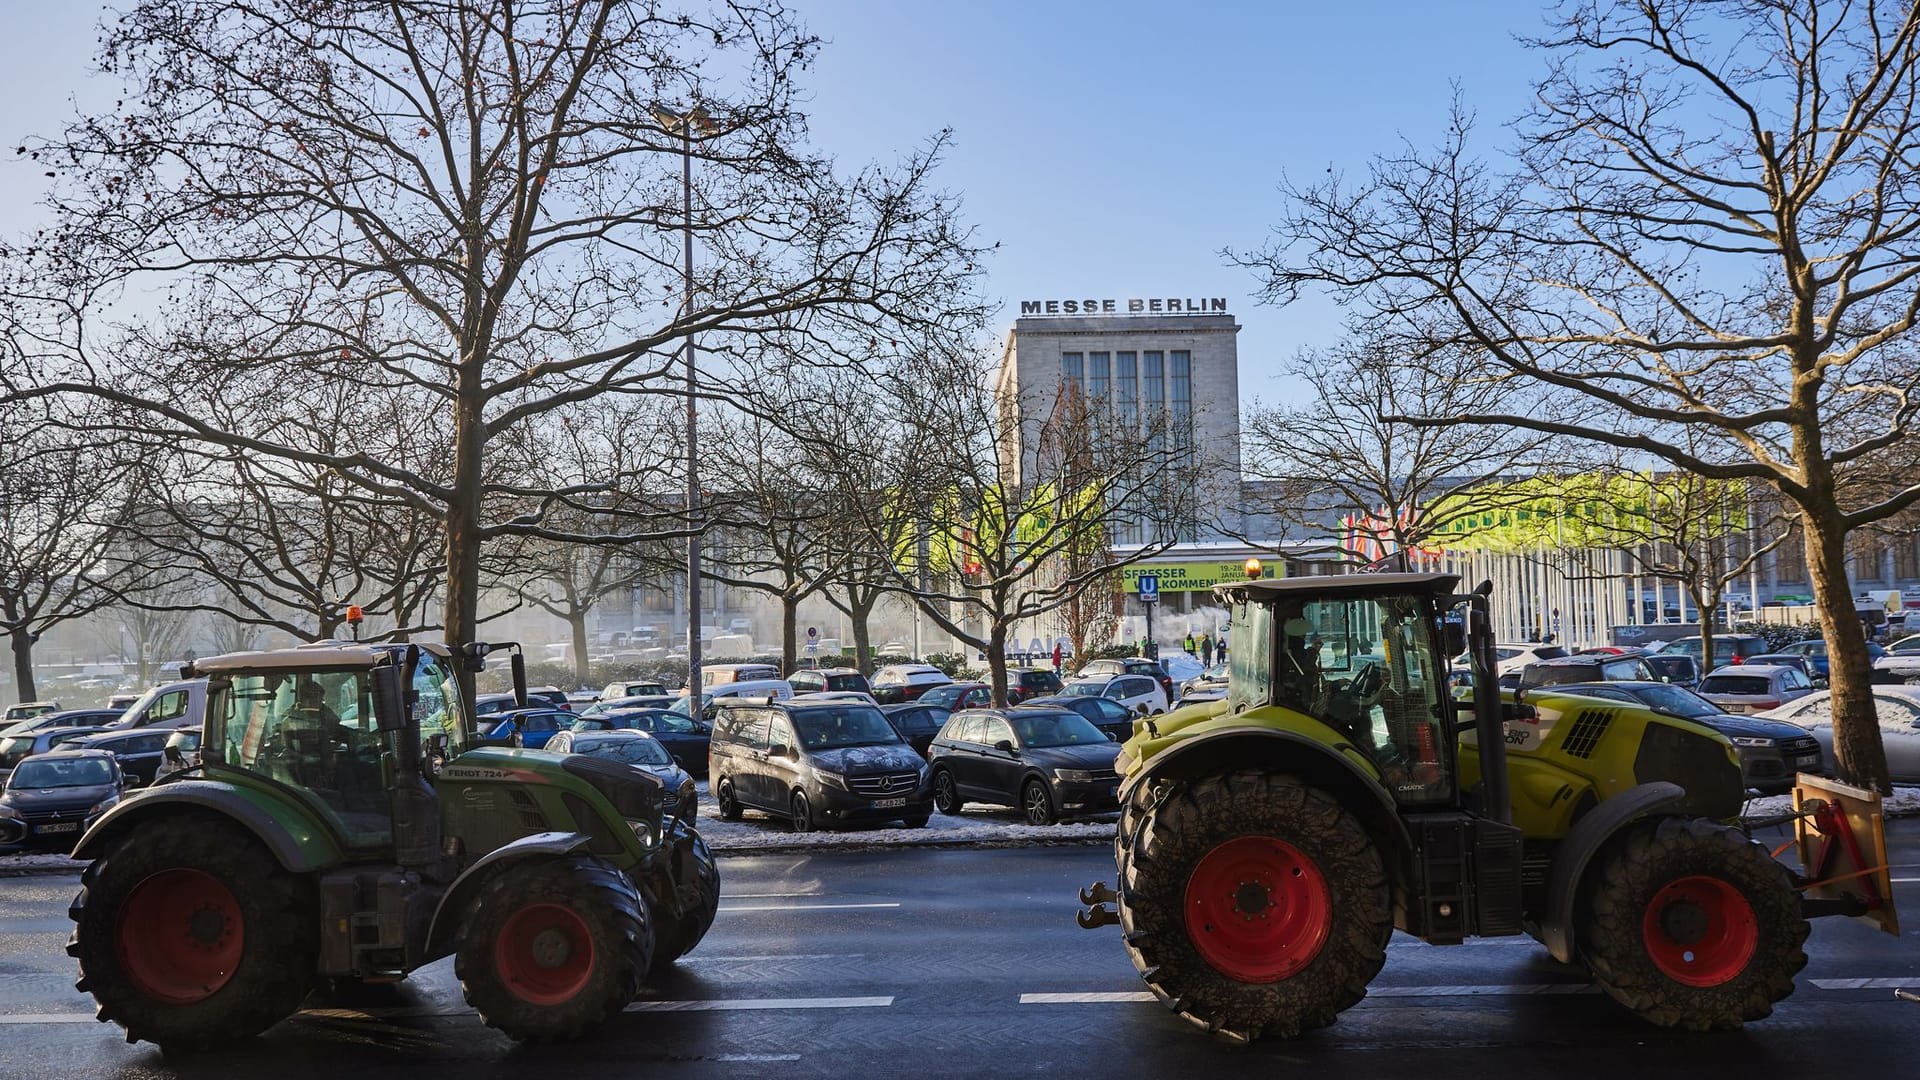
(1180, 395)
(1126, 389)
(1071, 370)
(1097, 371)
(1906, 558)
(1790, 559)
(1153, 373)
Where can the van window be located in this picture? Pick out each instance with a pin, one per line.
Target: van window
(169, 706)
(747, 727)
(779, 736)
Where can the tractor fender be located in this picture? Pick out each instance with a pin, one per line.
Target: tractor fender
(297, 839)
(1230, 749)
(447, 914)
(1588, 835)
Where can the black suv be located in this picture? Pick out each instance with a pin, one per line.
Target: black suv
(1587, 667)
(832, 763)
(1771, 751)
(1049, 762)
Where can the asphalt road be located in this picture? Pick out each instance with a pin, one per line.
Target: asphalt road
(924, 963)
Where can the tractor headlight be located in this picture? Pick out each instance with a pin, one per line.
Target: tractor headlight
(831, 779)
(1742, 740)
(645, 833)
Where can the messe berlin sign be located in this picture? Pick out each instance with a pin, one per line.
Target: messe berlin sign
(1172, 305)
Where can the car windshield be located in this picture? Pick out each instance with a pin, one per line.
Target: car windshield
(13, 750)
(73, 772)
(1735, 684)
(1676, 700)
(847, 682)
(832, 729)
(1055, 729)
(1085, 689)
(631, 751)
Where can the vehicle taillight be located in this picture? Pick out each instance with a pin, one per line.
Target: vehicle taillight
(1738, 659)
(1759, 705)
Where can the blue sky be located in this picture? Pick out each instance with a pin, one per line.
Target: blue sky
(1111, 148)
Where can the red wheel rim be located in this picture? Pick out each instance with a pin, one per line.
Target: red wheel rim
(1258, 909)
(180, 936)
(544, 954)
(1700, 931)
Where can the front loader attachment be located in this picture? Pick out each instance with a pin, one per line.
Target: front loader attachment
(1841, 834)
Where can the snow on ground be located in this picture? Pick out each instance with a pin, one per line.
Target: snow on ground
(13, 865)
(1905, 800)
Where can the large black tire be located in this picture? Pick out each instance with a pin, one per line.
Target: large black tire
(674, 936)
(184, 905)
(946, 796)
(1300, 874)
(1691, 925)
(520, 961)
(726, 806)
(1036, 802)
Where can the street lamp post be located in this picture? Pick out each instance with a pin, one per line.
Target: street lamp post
(684, 122)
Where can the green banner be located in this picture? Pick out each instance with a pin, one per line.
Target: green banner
(1589, 510)
(1194, 576)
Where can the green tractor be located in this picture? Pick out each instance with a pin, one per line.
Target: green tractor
(345, 824)
(1269, 845)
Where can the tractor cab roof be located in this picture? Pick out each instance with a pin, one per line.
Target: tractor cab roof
(319, 656)
(1267, 590)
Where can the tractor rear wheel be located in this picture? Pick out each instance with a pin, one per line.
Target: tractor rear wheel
(549, 951)
(1255, 905)
(191, 936)
(1691, 925)
(694, 868)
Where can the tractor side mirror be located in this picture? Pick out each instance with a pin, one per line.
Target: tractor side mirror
(1454, 638)
(389, 702)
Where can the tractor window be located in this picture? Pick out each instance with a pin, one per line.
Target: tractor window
(1250, 675)
(312, 731)
(436, 709)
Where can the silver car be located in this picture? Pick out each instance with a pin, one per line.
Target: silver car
(1753, 688)
(1898, 709)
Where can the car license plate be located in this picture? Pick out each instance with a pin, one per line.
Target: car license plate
(1803, 762)
(888, 804)
(62, 826)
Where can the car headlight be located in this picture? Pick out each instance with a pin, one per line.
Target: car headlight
(7, 811)
(1078, 775)
(831, 779)
(104, 805)
(1742, 740)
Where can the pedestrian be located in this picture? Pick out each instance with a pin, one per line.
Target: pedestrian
(1221, 651)
(1206, 650)
(1057, 656)
(1189, 643)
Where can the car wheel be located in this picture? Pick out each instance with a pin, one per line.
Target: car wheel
(725, 805)
(1036, 802)
(802, 813)
(946, 797)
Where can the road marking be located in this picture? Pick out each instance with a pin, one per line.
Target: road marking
(766, 895)
(758, 1057)
(1866, 984)
(762, 1004)
(1476, 943)
(803, 906)
(49, 1018)
(1085, 999)
(1908, 880)
(768, 957)
(1501, 990)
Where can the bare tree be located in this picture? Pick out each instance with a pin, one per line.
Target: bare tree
(478, 205)
(1709, 243)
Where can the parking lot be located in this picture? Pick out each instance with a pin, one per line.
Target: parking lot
(966, 962)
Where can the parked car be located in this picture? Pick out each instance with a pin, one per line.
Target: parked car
(580, 699)
(1048, 762)
(1727, 649)
(138, 752)
(626, 688)
(1591, 667)
(1752, 688)
(639, 701)
(65, 718)
(1816, 651)
(916, 722)
(492, 704)
(1214, 678)
(27, 710)
(1131, 665)
(530, 727)
(1902, 658)
(1804, 664)
(1141, 695)
(686, 739)
(1512, 656)
(816, 765)
(17, 748)
(817, 696)
(896, 683)
(1771, 751)
(958, 695)
(836, 678)
(551, 696)
(1026, 683)
(637, 750)
(1678, 669)
(1898, 710)
(181, 703)
(50, 800)
(181, 752)
(713, 675)
(1112, 718)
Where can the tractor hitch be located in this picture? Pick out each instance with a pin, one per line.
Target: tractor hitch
(1096, 897)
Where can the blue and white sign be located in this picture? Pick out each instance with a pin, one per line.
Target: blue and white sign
(1149, 587)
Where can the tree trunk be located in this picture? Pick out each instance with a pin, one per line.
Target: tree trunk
(1706, 627)
(789, 633)
(577, 623)
(997, 662)
(463, 518)
(1858, 754)
(859, 615)
(22, 641)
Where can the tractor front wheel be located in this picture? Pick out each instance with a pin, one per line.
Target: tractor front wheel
(549, 951)
(1255, 905)
(191, 936)
(694, 870)
(1691, 925)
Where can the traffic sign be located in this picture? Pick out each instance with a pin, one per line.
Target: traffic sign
(1149, 588)
(812, 632)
